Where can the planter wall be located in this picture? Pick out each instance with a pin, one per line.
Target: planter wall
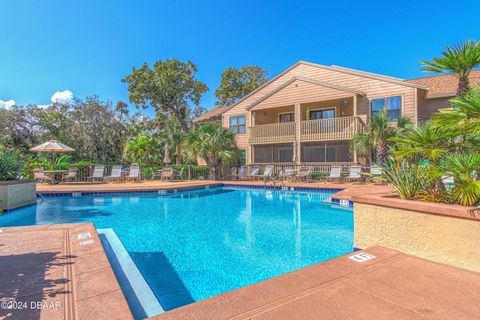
(447, 239)
(17, 193)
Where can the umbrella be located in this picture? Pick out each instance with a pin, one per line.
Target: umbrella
(166, 157)
(51, 146)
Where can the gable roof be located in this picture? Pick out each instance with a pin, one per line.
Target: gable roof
(312, 81)
(333, 68)
(444, 85)
(211, 114)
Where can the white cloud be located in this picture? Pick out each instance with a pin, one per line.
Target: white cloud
(62, 97)
(7, 104)
(44, 106)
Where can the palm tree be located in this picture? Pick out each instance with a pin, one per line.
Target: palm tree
(464, 118)
(379, 131)
(174, 136)
(425, 141)
(212, 143)
(459, 60)
(142, 150)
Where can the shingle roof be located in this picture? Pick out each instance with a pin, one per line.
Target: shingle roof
(444, 85)
(211, 114)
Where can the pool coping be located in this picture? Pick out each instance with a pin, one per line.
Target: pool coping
(142, 301)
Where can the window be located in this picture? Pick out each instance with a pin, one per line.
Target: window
(237, 124)
(393, 105)
(322, 114)
(286, 117)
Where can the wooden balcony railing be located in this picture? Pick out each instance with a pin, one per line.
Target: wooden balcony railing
(343, 128)
(272, 133)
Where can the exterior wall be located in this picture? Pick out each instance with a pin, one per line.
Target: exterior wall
(449, 240)
(271, 115)
(301, 92)
(427, 107)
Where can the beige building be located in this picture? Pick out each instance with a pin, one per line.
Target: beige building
(309, 113)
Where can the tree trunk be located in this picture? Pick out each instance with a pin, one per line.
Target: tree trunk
(463, 85)
(178, 158)
(381, 152)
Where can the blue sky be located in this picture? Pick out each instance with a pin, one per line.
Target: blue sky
(87, 46)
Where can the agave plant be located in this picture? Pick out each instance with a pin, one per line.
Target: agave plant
(404, 177)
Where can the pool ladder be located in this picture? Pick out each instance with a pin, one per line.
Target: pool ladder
(41, 196)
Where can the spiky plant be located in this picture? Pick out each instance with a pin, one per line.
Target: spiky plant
(402, 176)
(458, 60)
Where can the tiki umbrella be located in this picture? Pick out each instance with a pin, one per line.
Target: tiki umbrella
(166, 156)
(53, 147)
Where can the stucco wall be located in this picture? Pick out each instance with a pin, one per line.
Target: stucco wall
(15, 194)
(449, 240)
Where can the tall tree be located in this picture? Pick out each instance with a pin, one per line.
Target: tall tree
(236, 84)
(170, 87)
(458, 60)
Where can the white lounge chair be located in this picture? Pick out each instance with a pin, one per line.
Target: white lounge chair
(97, 175)
(335, 174)
(354, 174)
(254, 173)
(242, 173)
(134, 173)
(116, 173)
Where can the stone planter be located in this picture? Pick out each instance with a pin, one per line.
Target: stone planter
(17, 193)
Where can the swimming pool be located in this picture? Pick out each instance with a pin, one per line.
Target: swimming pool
(196, 244)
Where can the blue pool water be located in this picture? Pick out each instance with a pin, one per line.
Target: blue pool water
(195, 244)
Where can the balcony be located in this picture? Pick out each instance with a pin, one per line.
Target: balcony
(343, 128)
(272, 133)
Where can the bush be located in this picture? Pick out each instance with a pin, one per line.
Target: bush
(11, 165)
(404, 177)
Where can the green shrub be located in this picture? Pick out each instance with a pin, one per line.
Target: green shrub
(11, 165)
(404, 177)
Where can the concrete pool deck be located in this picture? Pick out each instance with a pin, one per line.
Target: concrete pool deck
(57, 272)
(68, 273)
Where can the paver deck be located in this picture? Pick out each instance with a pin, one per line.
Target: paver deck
(392, 285)
(50, 272)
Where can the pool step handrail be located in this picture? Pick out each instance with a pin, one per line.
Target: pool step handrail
(41, 196)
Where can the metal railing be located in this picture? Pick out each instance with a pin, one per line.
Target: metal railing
(84, 174)
(317, 171)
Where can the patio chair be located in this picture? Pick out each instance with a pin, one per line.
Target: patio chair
(167, 174)
(374, 175)
(241, 174)
(354, 174)
(71, 175)
(97, 175)
(304, 174)
(41, 177)
(134, 173)
(288, 174)
(268, 172)
(335, 174)
(254, 173)
(116, 173)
